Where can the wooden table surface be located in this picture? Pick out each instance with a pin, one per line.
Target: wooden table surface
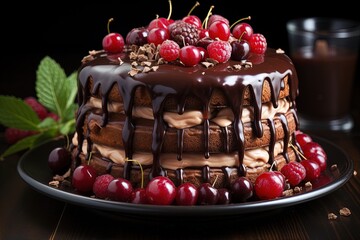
(29, 214)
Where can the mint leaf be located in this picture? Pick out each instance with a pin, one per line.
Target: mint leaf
(22, 144)
(54, 90)
(15, 113)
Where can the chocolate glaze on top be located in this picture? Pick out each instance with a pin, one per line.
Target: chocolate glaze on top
(181, 82)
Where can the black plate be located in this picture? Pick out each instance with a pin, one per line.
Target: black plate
(34, 170)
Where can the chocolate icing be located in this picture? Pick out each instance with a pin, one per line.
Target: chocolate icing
(180, 82)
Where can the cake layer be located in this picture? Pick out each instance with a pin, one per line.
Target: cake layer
(221, 139)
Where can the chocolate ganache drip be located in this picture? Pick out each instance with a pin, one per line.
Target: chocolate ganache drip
(178, 82)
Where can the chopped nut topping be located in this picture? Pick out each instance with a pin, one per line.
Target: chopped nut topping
(120, 61)
(54, 183)
(308, 185)
(297, 189)
(154, 68)
(146, 69)
(207, 64)
(133, 71)
(289, 192)
(145, 63)
(279, 50)
(332, 216)
(345, 212)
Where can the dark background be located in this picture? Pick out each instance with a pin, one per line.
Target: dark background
(66, 31)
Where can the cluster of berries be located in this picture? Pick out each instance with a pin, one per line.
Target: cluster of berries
(13, 135)
(162, 191)
(270, 185)
(192, 41)
(159, 190)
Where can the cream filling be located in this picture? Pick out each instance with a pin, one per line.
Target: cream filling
(252, 158)
(192, 118)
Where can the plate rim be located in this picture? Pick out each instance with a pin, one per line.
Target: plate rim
(194, 211)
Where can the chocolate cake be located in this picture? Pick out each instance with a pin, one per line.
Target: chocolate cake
(207, 123)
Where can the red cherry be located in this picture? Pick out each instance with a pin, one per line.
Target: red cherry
(120, 189)
(219, 30)
(313, 148)
(158, 23)
(193, 19)
(303, 138)
(241, 189)
(269, 185)
(83, 178)
(138, 196)
(208, 195)
(100, 187)
(203, 53)
(312, 169)
(59, 160)
(243, 30)
(190, 55)
(160, 191)
(137, 36)
(203, 33)
(158, 35)
(320, 159)
(113, 42)
(240, 49)
(186, 194)
(215, 17)
(224, 196)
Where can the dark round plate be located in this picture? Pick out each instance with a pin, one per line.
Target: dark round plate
(34, 170)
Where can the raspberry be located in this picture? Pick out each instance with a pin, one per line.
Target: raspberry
(169, 50)
(184, 33)
(37, 107)
(258, 43)
(219, 50)
(294, 172)
(12, 135)
(100, 187)
(53, 116)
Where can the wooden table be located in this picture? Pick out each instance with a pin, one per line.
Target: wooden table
(29, 214)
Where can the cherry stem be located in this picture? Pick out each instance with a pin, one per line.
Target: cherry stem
(90, 155)
(108, 24)
(170, 10)
(192, 9)
(241, 19)
(67, 142)
(207, 17)
(141, 170)
(242, 34)
(297, 150)
(216, 178)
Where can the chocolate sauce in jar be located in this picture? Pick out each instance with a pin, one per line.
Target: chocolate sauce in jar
(325, 82)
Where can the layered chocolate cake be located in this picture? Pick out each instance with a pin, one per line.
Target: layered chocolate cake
(212, 122)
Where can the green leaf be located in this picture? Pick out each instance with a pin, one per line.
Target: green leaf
(15, 113)
(51, 88)
(72, 91)
(22, 144)
(68, 127)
